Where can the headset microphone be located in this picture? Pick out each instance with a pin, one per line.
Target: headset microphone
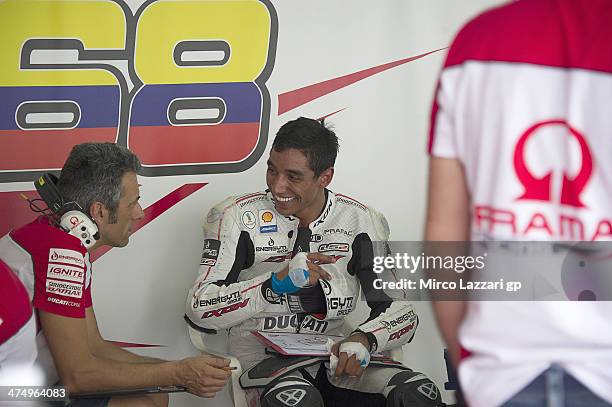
(74, 220)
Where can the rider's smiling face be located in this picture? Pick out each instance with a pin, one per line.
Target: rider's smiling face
(297, 191)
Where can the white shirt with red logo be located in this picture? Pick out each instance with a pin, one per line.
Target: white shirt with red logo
(54, 268)
(523, 104)
(17, 326)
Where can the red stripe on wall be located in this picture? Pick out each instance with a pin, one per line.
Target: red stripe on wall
(290, 100)
(330, 114)
(45, 149)
(155, 210)
(224, 143)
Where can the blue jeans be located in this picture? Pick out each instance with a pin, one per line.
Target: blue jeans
(555, 388)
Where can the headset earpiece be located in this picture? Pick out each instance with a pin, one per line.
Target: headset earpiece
(78, 224)
(74, 221)
(46, 186)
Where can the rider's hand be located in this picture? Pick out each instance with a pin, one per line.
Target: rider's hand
(315, 272)
(349, 365)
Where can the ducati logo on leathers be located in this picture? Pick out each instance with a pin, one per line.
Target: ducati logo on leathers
(291, 321)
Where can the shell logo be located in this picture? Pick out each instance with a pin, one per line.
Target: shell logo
(267, 217)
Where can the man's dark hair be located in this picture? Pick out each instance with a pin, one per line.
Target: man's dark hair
(93, 172)
(318, 142)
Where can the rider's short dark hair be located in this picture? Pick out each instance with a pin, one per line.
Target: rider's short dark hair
(313, 138)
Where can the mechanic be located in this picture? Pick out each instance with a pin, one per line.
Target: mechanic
(253, 276)
(95, 203)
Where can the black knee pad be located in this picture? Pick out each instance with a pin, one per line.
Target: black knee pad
(413, 389)
(291, 392)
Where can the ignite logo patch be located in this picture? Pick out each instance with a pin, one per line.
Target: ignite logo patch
(66, 272)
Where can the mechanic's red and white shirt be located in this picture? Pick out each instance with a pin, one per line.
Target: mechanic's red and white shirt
(523, 104)
(54, 267)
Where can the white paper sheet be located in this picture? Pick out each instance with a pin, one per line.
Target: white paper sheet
(297, 344)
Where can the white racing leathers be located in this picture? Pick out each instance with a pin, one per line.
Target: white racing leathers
(246, 240)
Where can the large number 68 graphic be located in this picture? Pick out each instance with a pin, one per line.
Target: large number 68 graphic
(200, 109)
(55, 92)
(198, 105)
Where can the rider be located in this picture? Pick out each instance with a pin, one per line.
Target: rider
(250, 277)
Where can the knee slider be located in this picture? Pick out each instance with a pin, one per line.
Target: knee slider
(412, 389)
(291, 392)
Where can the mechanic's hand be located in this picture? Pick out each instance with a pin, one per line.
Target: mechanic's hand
(349, 366)
(204, 375)
(315, 272)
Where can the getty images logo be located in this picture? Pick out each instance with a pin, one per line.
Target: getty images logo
(539, 189)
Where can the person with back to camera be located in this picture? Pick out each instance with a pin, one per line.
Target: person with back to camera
(293, 259)
(521, 151)
(17, 332)
(95, 201)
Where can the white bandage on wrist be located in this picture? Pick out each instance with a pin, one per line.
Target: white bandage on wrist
(298, 270)
(350, 348)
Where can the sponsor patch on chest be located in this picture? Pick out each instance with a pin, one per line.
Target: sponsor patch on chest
(64, 272)
(267, 221)
(272, 244)
(64, 288)
(66, 256)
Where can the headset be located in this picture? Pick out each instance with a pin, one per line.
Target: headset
(72, 217)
